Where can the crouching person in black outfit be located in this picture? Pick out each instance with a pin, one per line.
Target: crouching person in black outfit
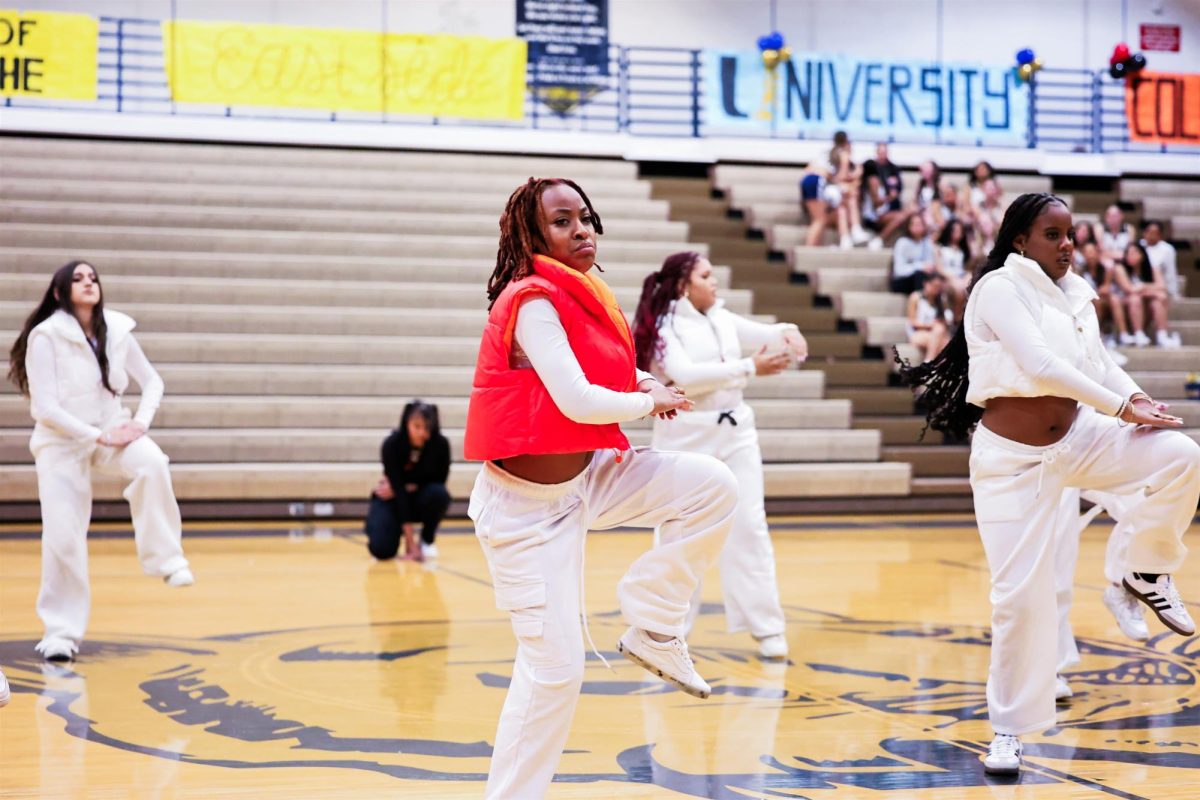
(416, 463)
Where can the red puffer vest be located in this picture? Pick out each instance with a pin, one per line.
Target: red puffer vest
(511, 413)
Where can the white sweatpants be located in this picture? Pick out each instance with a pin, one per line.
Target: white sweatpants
(533, 537)
(1018, 505)
(64, 471)
(748, 559)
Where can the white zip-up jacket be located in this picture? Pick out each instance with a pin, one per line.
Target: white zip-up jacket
(702, 353)
(67, 397)
(1028, 336)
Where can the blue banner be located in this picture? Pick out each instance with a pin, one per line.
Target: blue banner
(817, 93)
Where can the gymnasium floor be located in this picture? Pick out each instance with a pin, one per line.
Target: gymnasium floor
(299, 668)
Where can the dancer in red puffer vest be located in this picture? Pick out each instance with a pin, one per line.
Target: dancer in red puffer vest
(554, 380)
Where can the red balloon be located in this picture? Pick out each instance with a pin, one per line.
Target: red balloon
(1119, 53)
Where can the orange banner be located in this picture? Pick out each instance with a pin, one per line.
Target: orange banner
(1163, 107)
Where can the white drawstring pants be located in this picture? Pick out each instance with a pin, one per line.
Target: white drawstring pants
(751, 591)
(1018, 505)
(64, 472)
(533, 538)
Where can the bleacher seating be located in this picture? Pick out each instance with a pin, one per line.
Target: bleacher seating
(294, 298)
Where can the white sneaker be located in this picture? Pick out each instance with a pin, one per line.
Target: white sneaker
(1062, 690)
(429, 550)
(859, 236)
(1140, 339)
(1176, 340)
(180, 577)
(57, 649)
(1167, 341)
(5, 692)
(668, 660)
(1128, 339)
(1118, 358)
(773, 647)
(1110, 342)
(1163, 599)
(876, 243)
(846, 243)
(1004, 755)
(1128, 613)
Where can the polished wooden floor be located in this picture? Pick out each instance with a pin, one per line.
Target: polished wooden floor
(298, 667)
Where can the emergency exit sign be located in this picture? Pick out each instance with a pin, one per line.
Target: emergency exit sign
(1160, 37)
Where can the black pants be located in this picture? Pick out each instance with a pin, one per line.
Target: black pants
(909, 283)
(385, 518)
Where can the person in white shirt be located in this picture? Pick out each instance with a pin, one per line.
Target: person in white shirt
(1055, 414)
(929, 317)
(1147, 292)
(1162, 258)
(74, 360)
(1115, 235)
(686, 338)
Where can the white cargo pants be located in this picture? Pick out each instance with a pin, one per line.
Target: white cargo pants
(533, 538)
(1018, 505)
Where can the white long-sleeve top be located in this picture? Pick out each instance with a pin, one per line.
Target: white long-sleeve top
(702, 353)
(65, 391)
(1028, 336)
(540, 334)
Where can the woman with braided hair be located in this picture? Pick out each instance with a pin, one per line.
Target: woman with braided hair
(1055, 413)
(687, 338)
(555, 378)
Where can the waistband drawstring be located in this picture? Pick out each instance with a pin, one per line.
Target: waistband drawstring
(583, 615)
(1050, 455)
(727, 415)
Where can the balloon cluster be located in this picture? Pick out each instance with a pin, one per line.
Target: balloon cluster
(1027, 64)
(773, 49)
(1122, 64)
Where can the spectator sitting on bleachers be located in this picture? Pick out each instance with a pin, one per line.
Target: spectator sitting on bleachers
(1110, 305)
(416, 464)
(945, 209)
(983, 204)
(913, 258)
(1148, 290)
(1085, 233)
(953, 258)
(882, 210)
(1162, 255)
(823, 205)
(846, 176)
(1114, 236)
(929, 318)
(928, 193)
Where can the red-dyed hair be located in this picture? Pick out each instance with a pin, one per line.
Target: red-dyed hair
(659, 290)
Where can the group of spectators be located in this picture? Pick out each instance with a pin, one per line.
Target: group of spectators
(944, 228)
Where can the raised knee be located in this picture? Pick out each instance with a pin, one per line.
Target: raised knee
(724, 484)
(383, 551)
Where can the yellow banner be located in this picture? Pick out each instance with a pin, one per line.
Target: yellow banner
(47, 54)
(469, 77)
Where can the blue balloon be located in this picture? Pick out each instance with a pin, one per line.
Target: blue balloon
(1025, 56)
(776, 40)
(764, 43)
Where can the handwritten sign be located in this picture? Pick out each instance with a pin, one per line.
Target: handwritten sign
(469, 77)
(47, 54)
(1163, 107)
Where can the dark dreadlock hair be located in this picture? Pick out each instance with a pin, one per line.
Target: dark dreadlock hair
(58, 296)
(521, 232)
(659, 290)
(945, 377)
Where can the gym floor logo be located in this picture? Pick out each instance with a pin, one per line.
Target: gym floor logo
(409, 701)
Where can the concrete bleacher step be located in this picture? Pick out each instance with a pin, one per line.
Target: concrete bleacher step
(396, 381)
(812, 259)
(301, 266)
(862, 305)
(360, 159)
(86, 238)
(601, 190)
(875, 400)
(203, 319)
(939, 461)
(333, 481)
(390, 199)
(1145, 359)
(348, 294)
(1185, 226)
(898, 430)
(1144, 188)
(833, 345)
(274, 411)
(849, 279)
(853, 372)
(254, 218)
(724, 176)
(352, 444)
(1166, 207)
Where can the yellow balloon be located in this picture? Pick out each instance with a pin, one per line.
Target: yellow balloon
(1037, 64)
(770, 58)
(1025, 71)
(785, 53)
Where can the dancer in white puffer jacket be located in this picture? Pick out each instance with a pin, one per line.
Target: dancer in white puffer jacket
(74, 361)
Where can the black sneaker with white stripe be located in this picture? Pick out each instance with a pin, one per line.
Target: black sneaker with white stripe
(1159, 593)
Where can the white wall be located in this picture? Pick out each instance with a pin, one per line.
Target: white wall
(1064, 33)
